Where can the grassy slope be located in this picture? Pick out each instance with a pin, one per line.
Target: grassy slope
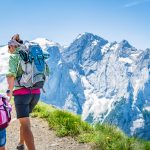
(102, 137)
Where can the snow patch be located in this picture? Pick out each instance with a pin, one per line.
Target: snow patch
(147, 108)
(126, 60)
(69, 104)
(139, 123)
(105, 48)
(4, 57)
(44, 43)
(94, 43)
(139, 81)
(73, 75)
(94, 105)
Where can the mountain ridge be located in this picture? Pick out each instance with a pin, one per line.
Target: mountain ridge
(99, 79)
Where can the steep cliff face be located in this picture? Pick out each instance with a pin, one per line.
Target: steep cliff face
(63, 87)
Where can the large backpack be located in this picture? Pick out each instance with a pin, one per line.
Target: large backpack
(33, 65)
(5, 112)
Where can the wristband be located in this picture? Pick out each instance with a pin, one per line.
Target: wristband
(8, 91)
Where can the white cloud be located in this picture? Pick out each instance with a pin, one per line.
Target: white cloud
(136, 2)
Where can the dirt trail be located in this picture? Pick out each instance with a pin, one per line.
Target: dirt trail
(45, 139)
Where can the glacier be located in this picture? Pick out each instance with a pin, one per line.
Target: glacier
(105, 82)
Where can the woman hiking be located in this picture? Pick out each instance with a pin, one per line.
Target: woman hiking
(25, 99)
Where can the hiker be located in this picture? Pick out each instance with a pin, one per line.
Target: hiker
(5, 117)
(25, 99)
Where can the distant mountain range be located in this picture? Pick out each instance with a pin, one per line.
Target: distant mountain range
(104, 82)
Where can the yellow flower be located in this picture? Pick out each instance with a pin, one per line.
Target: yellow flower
(108, 138)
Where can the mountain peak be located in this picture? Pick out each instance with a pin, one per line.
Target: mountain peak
(45, 43)
(148, 49)
(125, 43)
(125, 49)
(89, 37)
(86, 34)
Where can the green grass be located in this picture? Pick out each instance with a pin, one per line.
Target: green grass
(102, 137)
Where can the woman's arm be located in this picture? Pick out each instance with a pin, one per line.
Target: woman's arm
(12, 73)
(10, 81)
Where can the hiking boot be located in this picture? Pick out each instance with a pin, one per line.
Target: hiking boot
(20, 147)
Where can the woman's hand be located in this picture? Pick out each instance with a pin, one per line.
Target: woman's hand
(9, 95)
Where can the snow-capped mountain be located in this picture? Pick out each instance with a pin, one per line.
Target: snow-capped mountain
(104, 82)
(45, 43)
(4, 57)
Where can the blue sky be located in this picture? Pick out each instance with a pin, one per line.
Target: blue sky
(62, 20)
